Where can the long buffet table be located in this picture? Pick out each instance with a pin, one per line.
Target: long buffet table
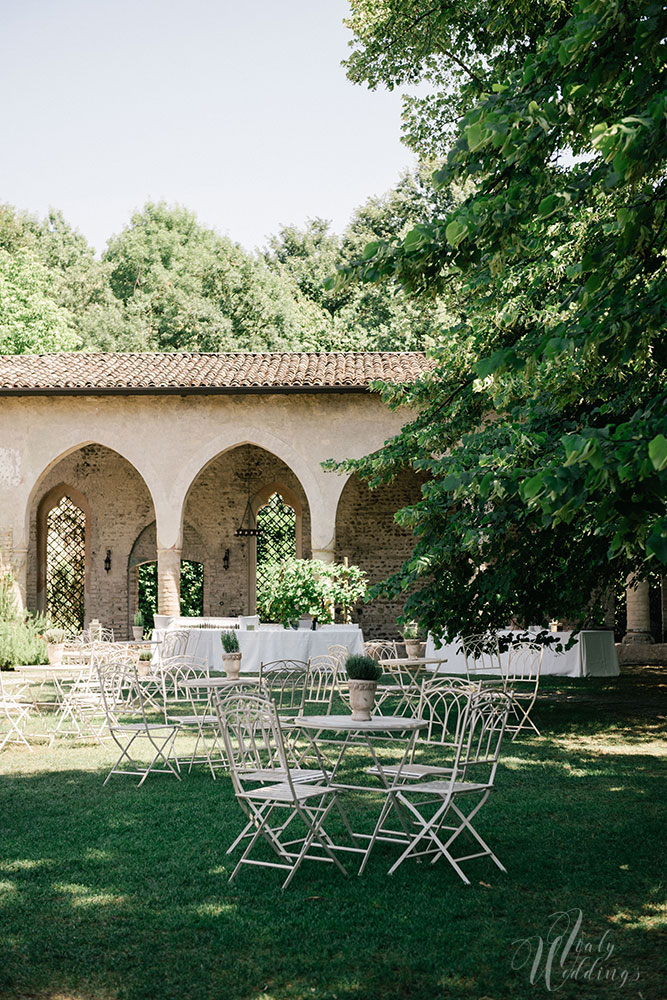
(593, 655)
(266, 643)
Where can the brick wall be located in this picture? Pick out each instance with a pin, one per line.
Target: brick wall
(368, 535)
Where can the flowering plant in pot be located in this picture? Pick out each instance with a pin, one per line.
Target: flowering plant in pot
(138, 626)
(231, 654)
(55, 643)
(412, 640)
(363, 675)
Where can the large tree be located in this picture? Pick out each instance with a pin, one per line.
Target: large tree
(542, 423)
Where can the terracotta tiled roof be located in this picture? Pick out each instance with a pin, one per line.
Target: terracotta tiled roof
(105, 373)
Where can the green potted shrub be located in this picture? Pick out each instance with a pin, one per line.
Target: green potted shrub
(55, 644)
(363, 675)
(145, 657)
(231, 654)
(138, 626)
(412, 639)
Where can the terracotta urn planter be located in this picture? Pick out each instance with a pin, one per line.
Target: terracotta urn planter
(362, 699)
(232, 664)
(137, 632)
(55, 651)
(413, 648)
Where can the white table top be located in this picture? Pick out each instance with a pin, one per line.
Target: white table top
(215, 682)
(47, 668)
(422, 661)
(345, 723)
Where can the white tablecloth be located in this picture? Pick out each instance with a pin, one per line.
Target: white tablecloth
(593, 655)
(270, 643)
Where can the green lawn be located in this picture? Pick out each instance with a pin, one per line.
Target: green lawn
(120, 892)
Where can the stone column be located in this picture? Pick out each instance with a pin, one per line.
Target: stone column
(169, 581)
(327, 555)
(638, 611)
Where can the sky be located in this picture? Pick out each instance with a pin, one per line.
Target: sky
(239, 111)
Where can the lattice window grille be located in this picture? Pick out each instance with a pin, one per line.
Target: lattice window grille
(278, 536)
(66, 565)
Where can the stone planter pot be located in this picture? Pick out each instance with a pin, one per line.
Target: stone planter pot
(232, 664)
(137, 632)
(55, 651)
(413, 648)
(362, 698)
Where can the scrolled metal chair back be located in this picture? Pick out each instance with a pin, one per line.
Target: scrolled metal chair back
(481, 736)
(444, 704)
(482, 653)
(174, 643)
(285, 682)
(251, 734)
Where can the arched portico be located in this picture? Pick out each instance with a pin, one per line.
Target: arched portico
(117, 505)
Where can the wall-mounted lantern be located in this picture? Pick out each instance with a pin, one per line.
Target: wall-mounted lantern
(225, 560)
(107, 561)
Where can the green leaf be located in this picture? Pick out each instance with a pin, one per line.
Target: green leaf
(657, 452)
(456, 232)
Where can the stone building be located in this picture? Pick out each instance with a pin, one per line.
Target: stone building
(164, 457)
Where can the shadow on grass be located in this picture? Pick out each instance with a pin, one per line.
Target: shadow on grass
(120, 893)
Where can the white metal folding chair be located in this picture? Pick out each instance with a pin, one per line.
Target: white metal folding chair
(285, 681)
(252, 734)
(521, 677)
(15, 710)
(195, 719)
(321, 681)
(444, 704)
(381, 649)
(443, 809)
(482, 655)
(174, 643)
(125, 732)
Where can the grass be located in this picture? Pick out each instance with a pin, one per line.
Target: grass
(120, 893)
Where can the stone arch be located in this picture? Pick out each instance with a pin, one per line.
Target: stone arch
(118, 504)
(48, 463)
(228, 491)
(239, 437)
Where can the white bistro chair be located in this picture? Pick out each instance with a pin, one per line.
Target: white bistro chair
(441, 809)
(253, 741)
(521, 681)
(114, 679)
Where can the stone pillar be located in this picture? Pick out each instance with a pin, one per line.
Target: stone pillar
(169, 581)
(327, 555)
(638, 611)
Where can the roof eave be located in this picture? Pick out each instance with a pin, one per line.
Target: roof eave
(227, 390)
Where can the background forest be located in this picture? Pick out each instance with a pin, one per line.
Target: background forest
(169, 283)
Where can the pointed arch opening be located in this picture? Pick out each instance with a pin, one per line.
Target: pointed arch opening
(63, 522)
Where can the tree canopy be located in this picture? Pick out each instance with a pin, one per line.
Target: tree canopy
(543, 423)
(167, 282)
